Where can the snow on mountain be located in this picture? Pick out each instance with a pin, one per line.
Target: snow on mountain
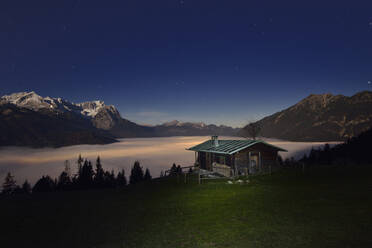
(176, 123)
(29, 100)
(172, 123)
(33, 101)
(106, 118)
(91, 108)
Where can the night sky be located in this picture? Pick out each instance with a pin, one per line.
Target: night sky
(223, 62)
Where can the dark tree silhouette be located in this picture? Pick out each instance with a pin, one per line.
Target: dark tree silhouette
(252, 130)
(147, 176)
(44, 184)
(354, 151)
(26, 187)
(85, 177)
(64, 181)
(121, 180)
(80, 164)
(136, 174)
(99, 178)
(9, 185)
(110, 180)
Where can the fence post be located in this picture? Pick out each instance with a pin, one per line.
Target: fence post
(199, 176)
(303, 167)
(185, 177)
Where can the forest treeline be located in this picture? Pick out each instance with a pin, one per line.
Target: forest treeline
(356, 150)
(87, 177)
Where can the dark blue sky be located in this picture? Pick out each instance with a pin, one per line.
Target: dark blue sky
(224, 62)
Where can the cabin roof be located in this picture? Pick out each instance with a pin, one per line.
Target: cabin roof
(229, 146)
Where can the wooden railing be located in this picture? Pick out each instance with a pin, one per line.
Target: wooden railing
(182, 169)
(221, 169)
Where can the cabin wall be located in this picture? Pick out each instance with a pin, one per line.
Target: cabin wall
(206, 160)
(264, 156)
(202, 160)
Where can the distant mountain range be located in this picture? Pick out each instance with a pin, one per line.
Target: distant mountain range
(324, 117)
(27, 119)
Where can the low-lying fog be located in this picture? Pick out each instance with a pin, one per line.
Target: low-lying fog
(157, 154)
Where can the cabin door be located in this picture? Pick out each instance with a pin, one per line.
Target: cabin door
(253, 164)
(202, 160)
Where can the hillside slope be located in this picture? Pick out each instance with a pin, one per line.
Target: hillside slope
(25, 127)
(323, 117)
(322, 208)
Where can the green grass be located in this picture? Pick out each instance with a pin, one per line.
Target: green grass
(322, 208)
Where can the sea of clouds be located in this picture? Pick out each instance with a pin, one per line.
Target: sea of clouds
(157, 154)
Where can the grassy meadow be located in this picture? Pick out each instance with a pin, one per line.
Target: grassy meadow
(329, 207)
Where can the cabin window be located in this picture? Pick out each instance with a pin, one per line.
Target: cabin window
(221, 160)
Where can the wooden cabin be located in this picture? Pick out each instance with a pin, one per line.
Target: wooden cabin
(236, 157)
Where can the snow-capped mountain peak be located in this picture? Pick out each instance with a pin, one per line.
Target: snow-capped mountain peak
(176, 123)
(24, 98)
(33, 101)
(172, 123)
(91, 108)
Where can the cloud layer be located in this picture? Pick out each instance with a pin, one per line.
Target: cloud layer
(157, 154)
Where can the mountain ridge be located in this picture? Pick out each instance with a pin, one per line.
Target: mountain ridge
(321, 117)
(100, 123)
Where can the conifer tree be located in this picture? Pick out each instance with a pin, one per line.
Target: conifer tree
(147, 176)
(85, 179)
(112, 179)
(121, 180)
(80, 164)
(44, 184)
(64, 181)
(99, 178)
(136, 174)
(67, 168)
(9, 185)
(26, 187)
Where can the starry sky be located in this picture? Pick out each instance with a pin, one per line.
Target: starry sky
(222, 62)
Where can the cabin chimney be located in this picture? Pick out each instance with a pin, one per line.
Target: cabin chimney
(215, 140)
